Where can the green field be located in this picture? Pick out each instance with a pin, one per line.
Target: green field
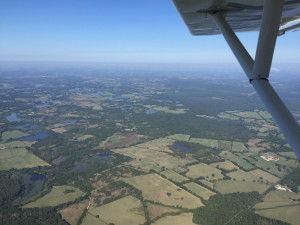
(124, 211)
(14, 134)
(213, 143)
(151, 159)
(161, 144)
(158, 189)
(229, 186)
(254, 175)
(207, 142)
(166, 109)
(279, 205)
(227, 165)
(204, 170)
(172, 175)
(238, 147)
(18, 144)
(272, 168)
(56, 197)
(287, 154)
(183, 219)
(92, 220)
(199, 190)
(238, 160)
(19, 158)
(180, 137)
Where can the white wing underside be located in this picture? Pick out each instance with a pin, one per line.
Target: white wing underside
(241, 15)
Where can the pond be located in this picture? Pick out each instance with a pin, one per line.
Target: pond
(80, 167)
(101, 158)
(13, 118)
(151, 111)
(27, 126)
(180, 148)
(38, 135)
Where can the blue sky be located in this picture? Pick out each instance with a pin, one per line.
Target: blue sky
(114, 31)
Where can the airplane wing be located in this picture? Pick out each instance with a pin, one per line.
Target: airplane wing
(271, 18)
(241, 15)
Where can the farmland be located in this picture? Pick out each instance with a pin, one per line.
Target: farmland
(125, 211)
(204, 170)
(185, 218)
(172, 175)
(150, 159)
(226, 186)
(280, 205)
(199, 190)
(58, 195)
(156, 188)
(19, 158)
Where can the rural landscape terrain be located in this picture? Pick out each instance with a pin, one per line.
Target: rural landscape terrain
(130, 147)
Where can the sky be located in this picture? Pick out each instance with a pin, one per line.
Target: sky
(115, 31)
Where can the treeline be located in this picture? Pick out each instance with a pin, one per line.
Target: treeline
(292, 180)
(219, 209)
(10, 190)
(250, 218)
(41, 216)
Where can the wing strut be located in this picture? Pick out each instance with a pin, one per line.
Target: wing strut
(258, 71)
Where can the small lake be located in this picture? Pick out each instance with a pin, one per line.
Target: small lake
(13, 118)
(38, 135)
(98, 93)
(151, 111)
(181, 148)
(101, 158)
(27, 127)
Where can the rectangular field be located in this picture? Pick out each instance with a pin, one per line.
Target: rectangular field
(172, 175)
(125, 211)
(158, 189)
(199, 190)
(58, 195)
(183, 219)
(204, 170)
(279, 205)
(229, 186)
(227, 165)
(254, 175)
(19, 158)
(150, 159)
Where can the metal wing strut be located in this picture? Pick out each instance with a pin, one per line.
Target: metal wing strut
(258, 71)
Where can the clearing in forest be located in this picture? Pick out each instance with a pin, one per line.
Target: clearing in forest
(14, 134)
(185, 218)
(158, 189)
(19, 158)
(58, 195)
(231, 186)
(148, 159)
(72, 213)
